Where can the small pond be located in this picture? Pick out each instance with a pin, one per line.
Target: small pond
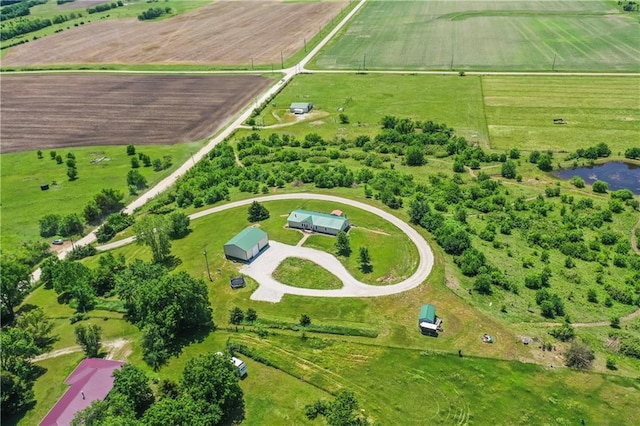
(617, 174)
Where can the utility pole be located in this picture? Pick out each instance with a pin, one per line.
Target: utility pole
(364, 62)
(281, 60)
(305, 45)
(252, 64)
(206, 261)
(553, 66)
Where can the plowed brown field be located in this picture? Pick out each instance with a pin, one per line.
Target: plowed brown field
(223, 33)
(49, 111)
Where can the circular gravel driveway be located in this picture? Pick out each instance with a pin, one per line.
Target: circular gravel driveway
(270, 290)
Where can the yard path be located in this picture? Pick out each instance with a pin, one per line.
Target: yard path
(625, 318)
(262, 267)
(113, 347)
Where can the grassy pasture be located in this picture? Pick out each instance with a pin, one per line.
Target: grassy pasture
(502, 111)
(23, 203)
(486, 35)
(520, 112)
(306, 274)
(365, 99)
(460, 390)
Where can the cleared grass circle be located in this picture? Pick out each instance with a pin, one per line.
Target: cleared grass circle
(305, 274)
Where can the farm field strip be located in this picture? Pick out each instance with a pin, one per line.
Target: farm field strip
(222, 33)
(488, 35)
(95, 109)
(520, 112)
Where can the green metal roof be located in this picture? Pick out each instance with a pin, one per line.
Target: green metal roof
(427, 313)
(247, 238)
(318, 219)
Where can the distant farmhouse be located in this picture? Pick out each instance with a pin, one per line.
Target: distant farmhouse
(300, 107)
(317, 222)
(92, 380)
(247, 244)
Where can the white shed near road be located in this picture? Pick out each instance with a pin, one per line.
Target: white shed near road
(247, 244)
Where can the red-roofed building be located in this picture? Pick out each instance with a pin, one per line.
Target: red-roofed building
(91, 380)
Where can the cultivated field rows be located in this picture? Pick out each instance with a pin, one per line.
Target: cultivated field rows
(222, 33)
(46, 111)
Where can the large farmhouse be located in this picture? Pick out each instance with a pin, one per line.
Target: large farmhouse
(317, 222)
(247, 244)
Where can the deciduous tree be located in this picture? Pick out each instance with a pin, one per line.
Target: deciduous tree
(212, 381)
(14, 285)
(153, 231)
(132, 383)
(89, 338)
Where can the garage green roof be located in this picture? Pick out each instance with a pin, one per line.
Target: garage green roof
(247, 238)
(318, 219)
(427, 313)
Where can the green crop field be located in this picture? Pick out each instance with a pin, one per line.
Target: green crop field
(487, 35)
(502, 112)
(24, 204)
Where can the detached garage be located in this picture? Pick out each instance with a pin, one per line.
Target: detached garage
(247, 244)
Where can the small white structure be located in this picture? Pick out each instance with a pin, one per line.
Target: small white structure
(247, 244)
(240, 365)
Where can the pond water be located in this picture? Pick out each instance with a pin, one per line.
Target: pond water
(617, 174)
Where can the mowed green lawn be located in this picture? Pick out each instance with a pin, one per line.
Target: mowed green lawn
(487, 35)
(22, 173)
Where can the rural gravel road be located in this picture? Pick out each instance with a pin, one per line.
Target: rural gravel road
(270, 290)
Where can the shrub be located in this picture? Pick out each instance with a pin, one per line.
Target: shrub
(600, 187)
(579, 355)
(577, 181)
(563, 333)
(305, 320)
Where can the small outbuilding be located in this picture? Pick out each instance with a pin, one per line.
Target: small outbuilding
(247, 244)
(317, 222)
(300, 107)
(428, 322)
(44, 186)
(237, 282)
